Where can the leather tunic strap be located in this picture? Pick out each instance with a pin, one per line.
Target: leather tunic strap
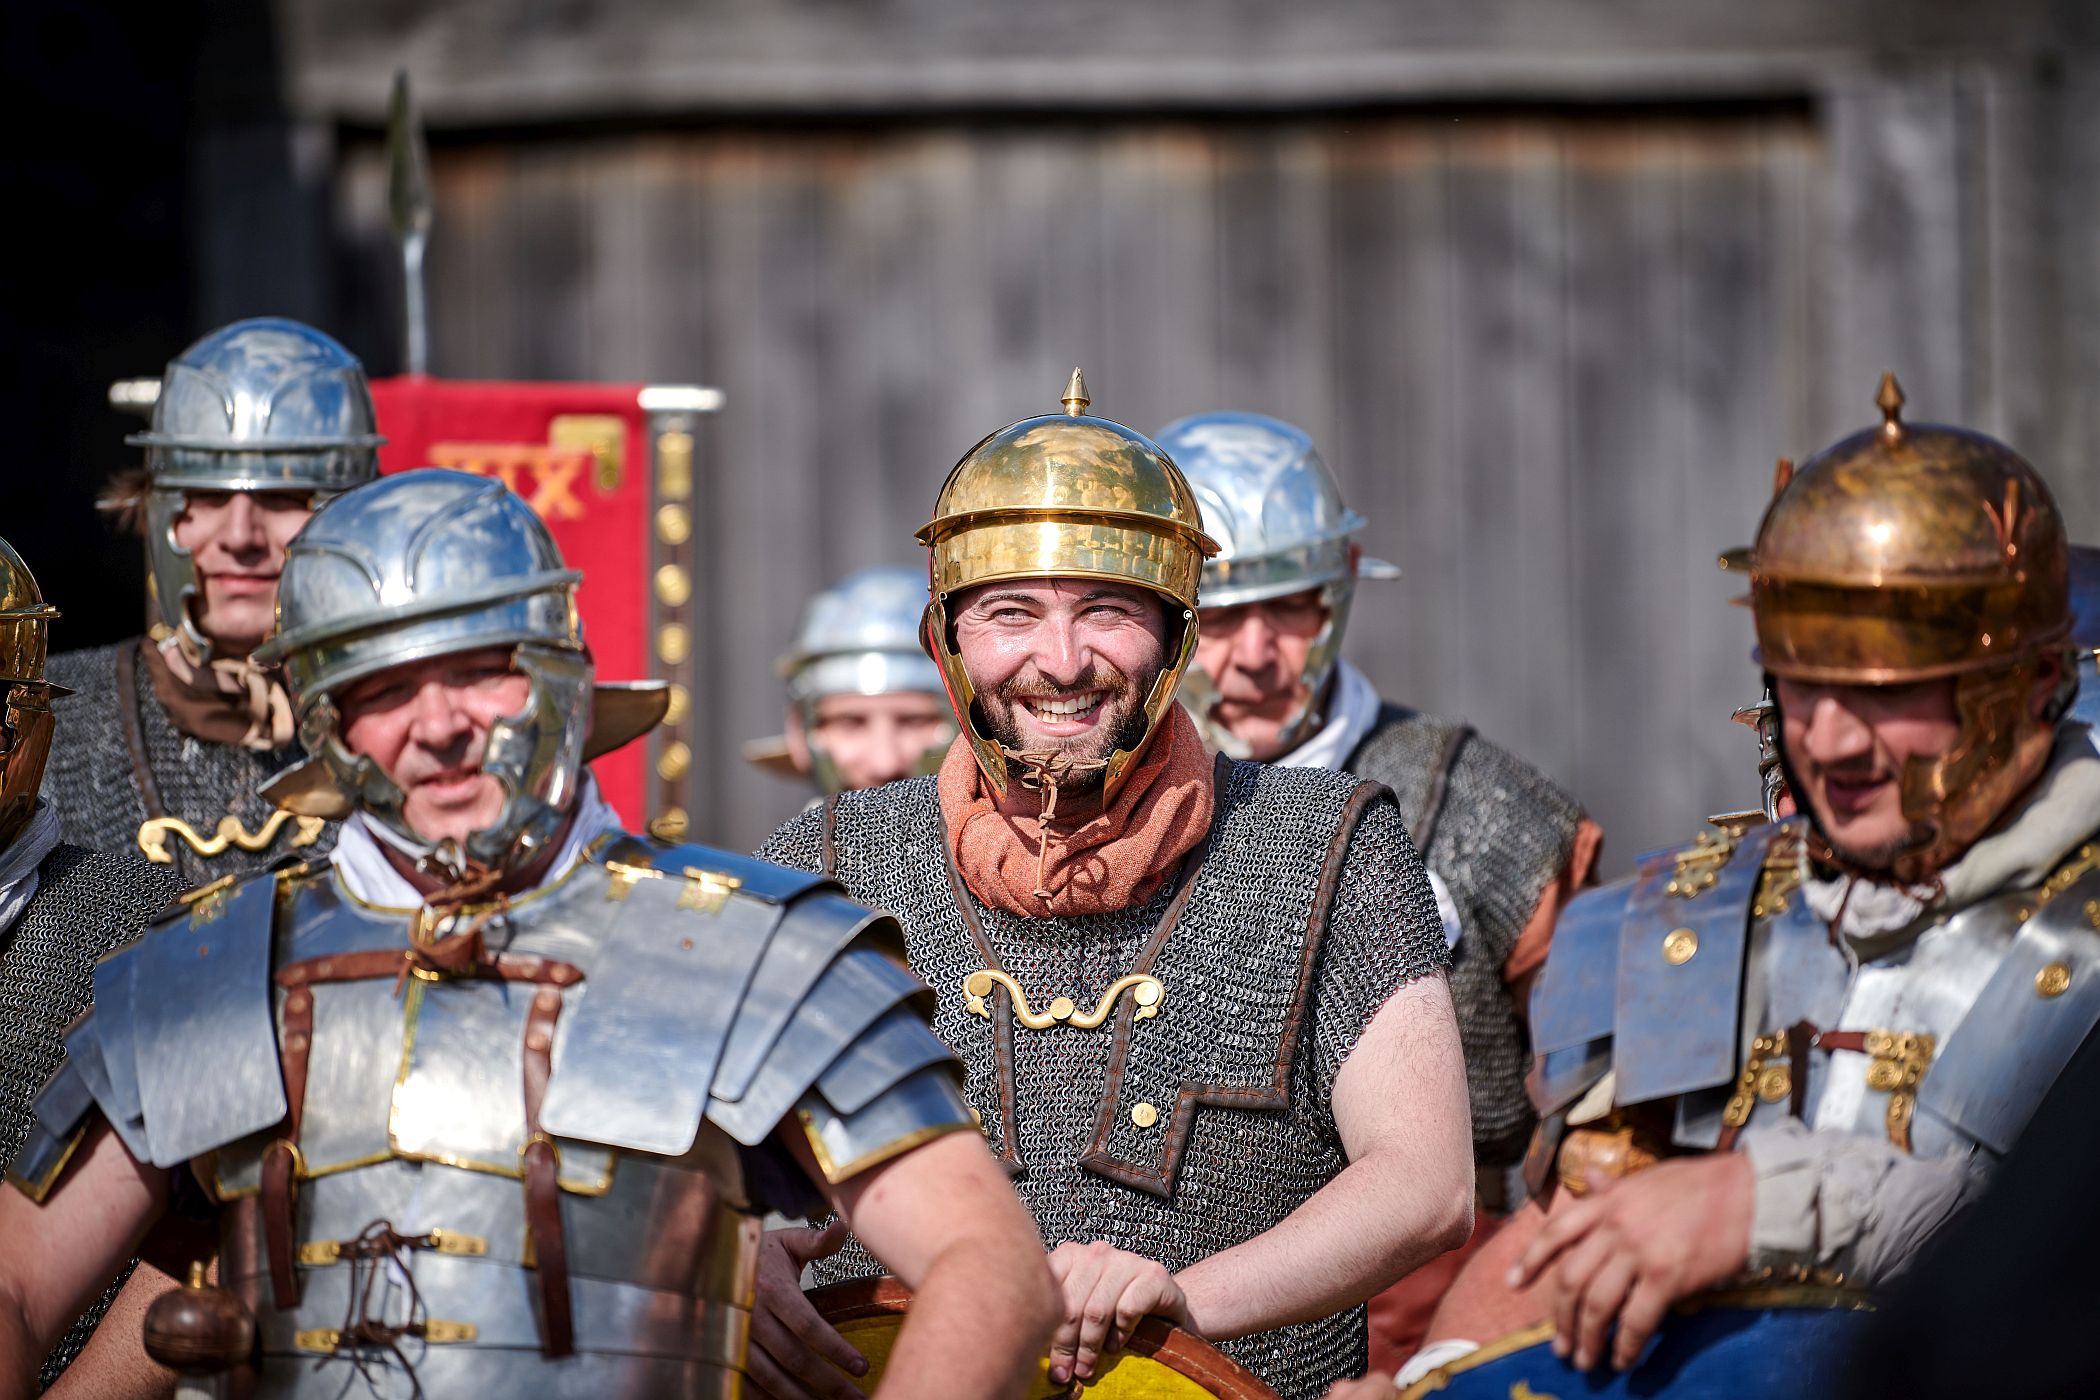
(542, 1165)
(127, 661)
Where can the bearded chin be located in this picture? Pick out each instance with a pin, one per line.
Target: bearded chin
(1125, 732)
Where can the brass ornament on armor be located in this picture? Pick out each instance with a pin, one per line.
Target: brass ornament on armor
(154, 832)
(1147, 991)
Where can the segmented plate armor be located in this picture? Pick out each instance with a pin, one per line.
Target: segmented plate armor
(1229, 992)
(90, 776)
(1500, 832)
(85, 904)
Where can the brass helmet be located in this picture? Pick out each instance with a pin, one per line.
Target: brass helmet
(25, 719)
(1065, 495)
(1912, 552)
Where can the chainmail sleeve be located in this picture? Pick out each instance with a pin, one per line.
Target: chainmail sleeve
(799, 842)
(1383, 932)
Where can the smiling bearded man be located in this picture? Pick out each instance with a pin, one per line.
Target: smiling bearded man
(1201, 1004)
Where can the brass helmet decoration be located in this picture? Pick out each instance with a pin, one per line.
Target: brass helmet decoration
(25, 720)
(1065, 495)
(1913, 552)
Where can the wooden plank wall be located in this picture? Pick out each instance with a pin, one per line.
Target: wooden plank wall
(1551, 353)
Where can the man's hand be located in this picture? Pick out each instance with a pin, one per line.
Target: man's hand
(793, 1350)
(1106, 1292)
(1627, 1253)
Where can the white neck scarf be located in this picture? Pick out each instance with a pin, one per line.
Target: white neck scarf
(19, 861)
(361, 862)
(1350, 716)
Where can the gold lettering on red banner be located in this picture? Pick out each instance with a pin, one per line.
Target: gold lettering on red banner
(548, 478)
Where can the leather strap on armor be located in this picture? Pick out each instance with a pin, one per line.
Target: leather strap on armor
(134, 736)
(461, 956)
(1439, 781)
(280, 1165)
(542, 1167)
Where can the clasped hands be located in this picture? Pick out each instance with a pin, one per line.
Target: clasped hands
(797, 1355)
(1629, 1249)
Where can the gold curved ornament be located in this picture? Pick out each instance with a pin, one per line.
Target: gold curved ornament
(153, 835)
(1147, 991)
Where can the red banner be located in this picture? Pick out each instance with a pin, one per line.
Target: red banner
(580, 455)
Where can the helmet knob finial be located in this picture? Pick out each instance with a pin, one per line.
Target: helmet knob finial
(1075, 399)
(1889, 399)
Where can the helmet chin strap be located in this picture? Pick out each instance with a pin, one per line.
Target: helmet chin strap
(1048, 771)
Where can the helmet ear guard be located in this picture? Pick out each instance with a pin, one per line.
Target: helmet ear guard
(427, 564)
(1063, 496)
(1908, 553)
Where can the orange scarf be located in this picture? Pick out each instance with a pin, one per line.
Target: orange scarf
(1091, 864)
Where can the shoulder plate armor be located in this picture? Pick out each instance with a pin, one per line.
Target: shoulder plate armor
(2037, 1009)
(794, 996)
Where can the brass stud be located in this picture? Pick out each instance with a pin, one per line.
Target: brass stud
(1679, 945)
(681, 701)
(673, 586)
(2052, 981)
(1062, 1009)
(672, 763)
(670, 825)
(674, 524)
(674, 465)
(673, 644)
(1144, 1115)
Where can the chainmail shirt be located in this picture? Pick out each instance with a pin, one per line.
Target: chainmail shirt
(1232, 969)
(1499, 832)
(92, 779)
(86, 903)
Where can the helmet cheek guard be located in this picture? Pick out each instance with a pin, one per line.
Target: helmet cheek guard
(1269, 498)
(433, 563)
(1915, 552)
(261, 405)
(1064, 496)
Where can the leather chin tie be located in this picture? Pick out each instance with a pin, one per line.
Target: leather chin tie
(1047, 771)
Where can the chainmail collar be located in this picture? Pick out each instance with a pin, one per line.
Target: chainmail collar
(361, 862)
(19, 862)
(2060, 811)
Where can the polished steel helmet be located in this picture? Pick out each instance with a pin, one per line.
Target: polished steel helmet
(1276, 511)
(1910, 552)
(1066, 495)
(858, 637)
(861, 637)
(432, 563)
(260, 405)
(25, 708)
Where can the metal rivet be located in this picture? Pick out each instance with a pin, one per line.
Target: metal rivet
(673, 586)
(681, 701)
(685, 945)
(673, 644)
(673, 524)
(1144, 1115)
(2052, 980)
(1062, 1009)
(547, 999)
(1678, 946)
(672, 763)
(536, 1041)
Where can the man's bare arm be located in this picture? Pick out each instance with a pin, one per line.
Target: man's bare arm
(60, 1255)
(1407, 1195)
(945, 1221)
